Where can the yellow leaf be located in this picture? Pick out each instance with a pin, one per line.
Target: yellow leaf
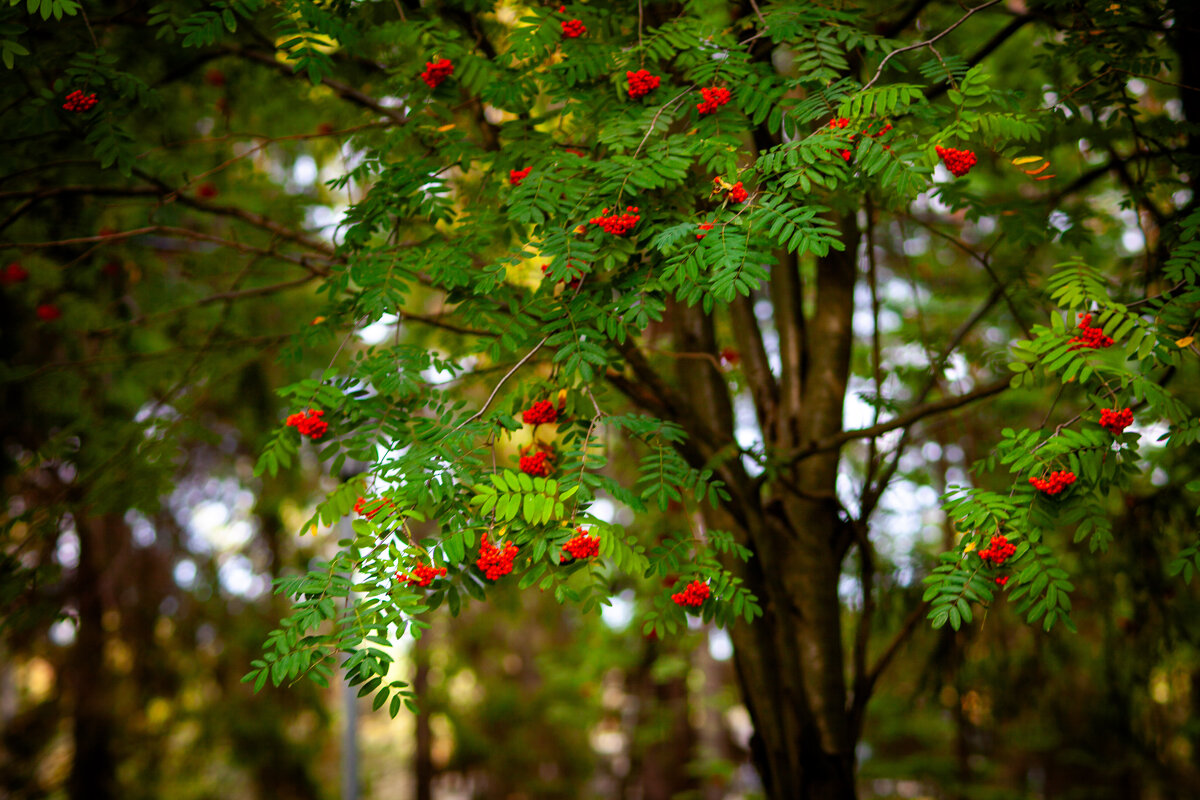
(970, 546)
(1026, 160)
(1185, 341)
(447, 127)
(1042, 168)
(317, 320)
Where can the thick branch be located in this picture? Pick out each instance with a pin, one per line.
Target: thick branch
(902, 421)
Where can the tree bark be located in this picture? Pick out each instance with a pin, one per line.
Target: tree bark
(790, 663)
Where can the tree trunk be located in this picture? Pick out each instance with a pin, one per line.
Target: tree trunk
(790, 663)
(93, 770)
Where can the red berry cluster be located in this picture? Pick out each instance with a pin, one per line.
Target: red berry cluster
(582, 546)
(714, 98)
(370, 512)
(13, 274)
(422, 575)
(1003, 579)
(1089, 338)
(1055, 482)
(48, 312)
(309, 423)
(704, 226)
(572, 28)
(959, 162)
(541, 413)
(535, 465)
(436, 72)
(737, 193)
(78, 102)
(695, 594)
(1115, 421)
(641, 83)
(838, 123)
(998, 550)
(515, 176)
(618, 224)
(493, 562)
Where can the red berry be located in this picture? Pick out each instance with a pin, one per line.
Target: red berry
(959, 162)
(641, 83)
(541, 413)
(370, 511)
(714, 98)
(214, 77)
(112, 269)
(998, 550)
(515, 176)
(1115, 421)
(693, 595)
(704, 226)
(1089, 338)
(1003, 579)
(14, 273)
(77, 102)
(422, 575)
(618, 224)
(1054, 483)
(494, 562)
(309, 423)
(325, 128)
(48, 312)
(738, 194)
(436, 72)
(535, 465)
(582, 546)
(207, 191)
(730, 356)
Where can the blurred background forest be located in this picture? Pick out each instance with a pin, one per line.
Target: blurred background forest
(132, 422)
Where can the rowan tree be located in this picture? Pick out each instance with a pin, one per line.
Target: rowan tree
(652, 254)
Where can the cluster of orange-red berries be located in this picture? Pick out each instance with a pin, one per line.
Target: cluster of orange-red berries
(571, 28)
(542, 412)
(536, 465)
(704, 226)
(515, 176)
(641, 83)
(618, 224)
(1089, 338)
(309, 423)
(714, 98)
(998, 550)
(422, 575)
(371, 510)
(77, 102)
(737, 193)
(436, 72)
(693, 595)
(959, 162)
(1054, 483)
(582, 546)
(494, 562)
(1115, 421)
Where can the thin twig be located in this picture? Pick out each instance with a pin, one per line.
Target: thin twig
(926, 43)
(496, 390)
